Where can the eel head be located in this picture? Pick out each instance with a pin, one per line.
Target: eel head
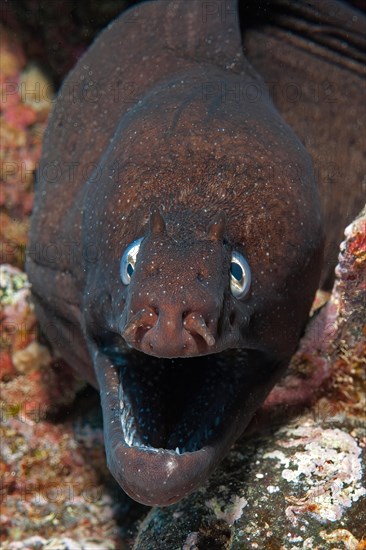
(180, 367)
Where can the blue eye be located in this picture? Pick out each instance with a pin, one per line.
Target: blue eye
(128, 261)
(240, 276)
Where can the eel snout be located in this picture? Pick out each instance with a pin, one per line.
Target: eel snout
(171, 331)
(176, 293)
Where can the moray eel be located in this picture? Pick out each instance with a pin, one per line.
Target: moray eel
(176, 240)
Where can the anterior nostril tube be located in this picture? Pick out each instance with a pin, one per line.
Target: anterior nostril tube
(196, 325)
(142, 321)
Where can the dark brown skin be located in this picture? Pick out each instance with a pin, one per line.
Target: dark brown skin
(313, 57)
(179, 360)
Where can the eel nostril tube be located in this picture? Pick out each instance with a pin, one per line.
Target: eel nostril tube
(195, 324)
(144, 319)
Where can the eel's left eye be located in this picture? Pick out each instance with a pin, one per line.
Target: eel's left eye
(240, 277)
(128, 261)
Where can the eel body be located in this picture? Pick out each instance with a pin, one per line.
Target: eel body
(177, 238)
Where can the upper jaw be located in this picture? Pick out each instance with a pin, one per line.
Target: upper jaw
(190, 348)
(171, 333)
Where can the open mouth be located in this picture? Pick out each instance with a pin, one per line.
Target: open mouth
(176, 404)
(169, 422)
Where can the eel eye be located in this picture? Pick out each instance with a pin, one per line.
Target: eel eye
(128, 261)
(240, 277)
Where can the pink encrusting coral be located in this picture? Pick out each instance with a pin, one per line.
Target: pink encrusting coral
(51, 473)
(26, 98)
(28, 374)
(17, 320)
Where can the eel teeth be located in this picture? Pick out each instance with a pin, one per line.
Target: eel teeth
(129, 427)
(128, 423)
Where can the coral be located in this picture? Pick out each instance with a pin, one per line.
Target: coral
(231, 512)
(329, 466)
(17, 320)
(28, 374)
(26, 97)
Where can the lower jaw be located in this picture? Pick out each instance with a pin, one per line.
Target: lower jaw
(171, 426)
